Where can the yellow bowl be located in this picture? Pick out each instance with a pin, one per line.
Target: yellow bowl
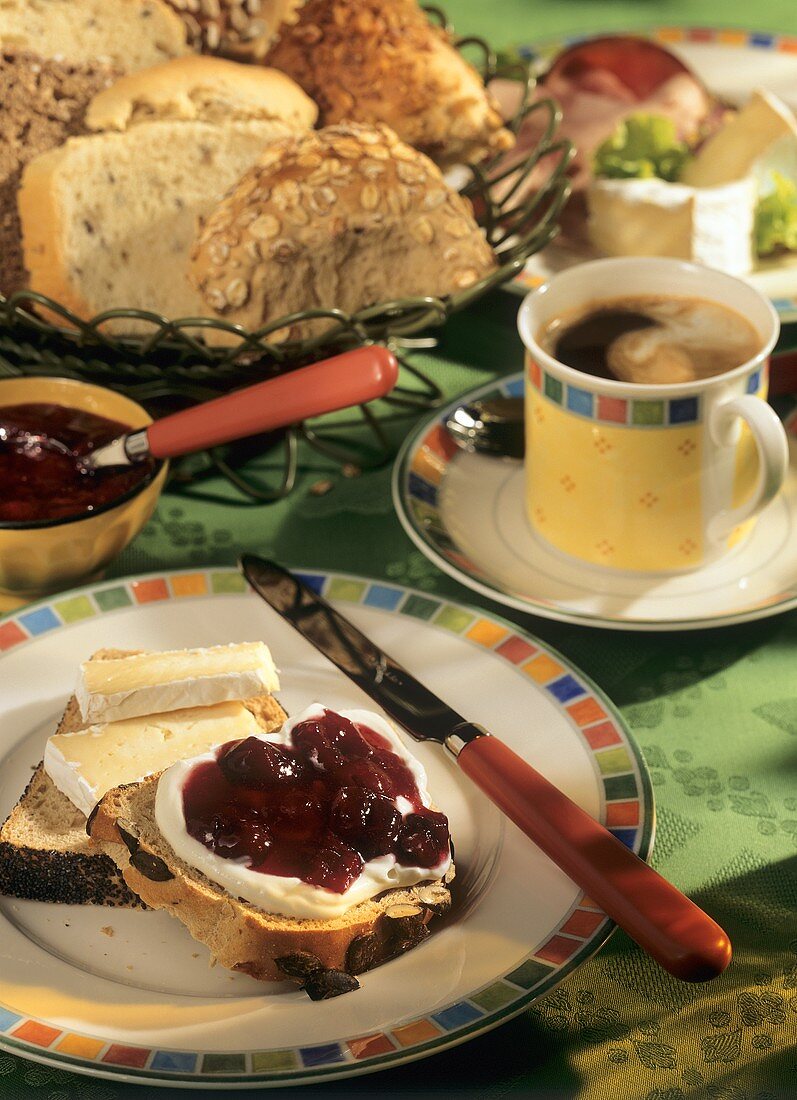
(49, 555)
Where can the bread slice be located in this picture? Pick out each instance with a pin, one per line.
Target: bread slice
(202, 89)
(130, 34)
(383, 61)
(240, 935)
(45, 854)
(343, 217)
(44, 103)
(108, 220)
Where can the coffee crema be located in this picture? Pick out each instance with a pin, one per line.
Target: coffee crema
(652, 339)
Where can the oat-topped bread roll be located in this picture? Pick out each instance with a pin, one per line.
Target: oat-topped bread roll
(109, 219)
(342, 217)
(44, 103)
(383, 61)
(242, 29)
(204, 89)
(129, 34)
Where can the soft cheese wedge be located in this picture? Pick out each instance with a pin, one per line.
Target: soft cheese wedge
(150, 683)
(734, 151)
(85, 764)
(651, 217)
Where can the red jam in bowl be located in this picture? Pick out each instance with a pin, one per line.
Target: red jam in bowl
(316, 809)
(41, 474)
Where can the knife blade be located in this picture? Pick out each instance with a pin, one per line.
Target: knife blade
(663, 921)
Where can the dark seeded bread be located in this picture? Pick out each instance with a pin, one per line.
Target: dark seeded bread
(242, 936)
(44, 103)
(45, 854)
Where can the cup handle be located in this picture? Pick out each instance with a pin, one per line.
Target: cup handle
(773, 455)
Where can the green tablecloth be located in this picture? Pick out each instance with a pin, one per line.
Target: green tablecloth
(715, 713)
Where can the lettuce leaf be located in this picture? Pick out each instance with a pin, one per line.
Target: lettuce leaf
(642, 146)
(776, 217)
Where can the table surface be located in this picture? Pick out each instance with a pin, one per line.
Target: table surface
(715, 713)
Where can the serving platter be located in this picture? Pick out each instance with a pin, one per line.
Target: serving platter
(128, 995)
(731, 62)
(466, 513)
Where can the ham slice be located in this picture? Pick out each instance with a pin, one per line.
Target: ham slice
(597, 84)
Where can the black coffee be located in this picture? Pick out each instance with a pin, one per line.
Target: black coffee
(652, 339)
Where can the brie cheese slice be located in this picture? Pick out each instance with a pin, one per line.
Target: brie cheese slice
(150, 683)
(651, 217)
(734, 151)
(84, 765)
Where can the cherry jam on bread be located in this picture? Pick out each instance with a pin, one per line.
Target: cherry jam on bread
(317, 809)
(41, 447)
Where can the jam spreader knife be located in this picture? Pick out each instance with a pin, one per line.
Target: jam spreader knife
(352, 378)
(671, 928)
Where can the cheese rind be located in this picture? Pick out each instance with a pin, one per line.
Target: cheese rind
(87, 763)
(151, 683)
(651, 217)
(733, 151)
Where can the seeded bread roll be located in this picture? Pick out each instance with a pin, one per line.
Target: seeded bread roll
(241, 29)
(129, 34)
(342, 217)
(242, 936)
(203, 89)
(44, 103)
(383, 61)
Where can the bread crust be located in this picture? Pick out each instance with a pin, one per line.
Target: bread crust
(337, 218)
(240, 936)
(383, 61)
(207, 89)
(235, 28)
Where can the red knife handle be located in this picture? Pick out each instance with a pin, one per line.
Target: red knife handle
(671, 928)
(349, 379)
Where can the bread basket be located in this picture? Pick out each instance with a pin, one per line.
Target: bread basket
(171, 359)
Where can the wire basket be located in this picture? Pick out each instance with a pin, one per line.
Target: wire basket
(171, 358)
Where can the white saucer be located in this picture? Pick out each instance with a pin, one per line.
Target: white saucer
(466, 513)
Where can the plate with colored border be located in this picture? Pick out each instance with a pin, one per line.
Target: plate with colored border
(466, 513)
(128, 995)
(731, 62)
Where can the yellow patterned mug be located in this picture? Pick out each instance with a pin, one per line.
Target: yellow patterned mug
(648, 478)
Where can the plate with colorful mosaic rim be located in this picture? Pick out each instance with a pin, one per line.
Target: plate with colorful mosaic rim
(466, 513)
(731, 62)
(128, 995)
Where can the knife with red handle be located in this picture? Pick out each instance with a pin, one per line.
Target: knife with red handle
(671, 928)
(350, 379)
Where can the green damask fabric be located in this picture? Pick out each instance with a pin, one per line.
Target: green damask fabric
(715, 713)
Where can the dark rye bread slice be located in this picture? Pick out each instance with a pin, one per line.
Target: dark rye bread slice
(44, 102)
(240, 935)
(45, 854)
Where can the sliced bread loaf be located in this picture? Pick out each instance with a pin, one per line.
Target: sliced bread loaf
(129, 34)
(45, 854)
(108, 220)
(202, 89)
(44, 103)
(242, 936)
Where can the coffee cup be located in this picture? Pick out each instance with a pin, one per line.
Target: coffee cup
(648, 478)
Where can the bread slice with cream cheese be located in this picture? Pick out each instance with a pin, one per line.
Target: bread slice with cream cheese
(320, 954)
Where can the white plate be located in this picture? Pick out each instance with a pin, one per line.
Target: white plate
(466, 513)
(143, 1005)
(731, 63)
